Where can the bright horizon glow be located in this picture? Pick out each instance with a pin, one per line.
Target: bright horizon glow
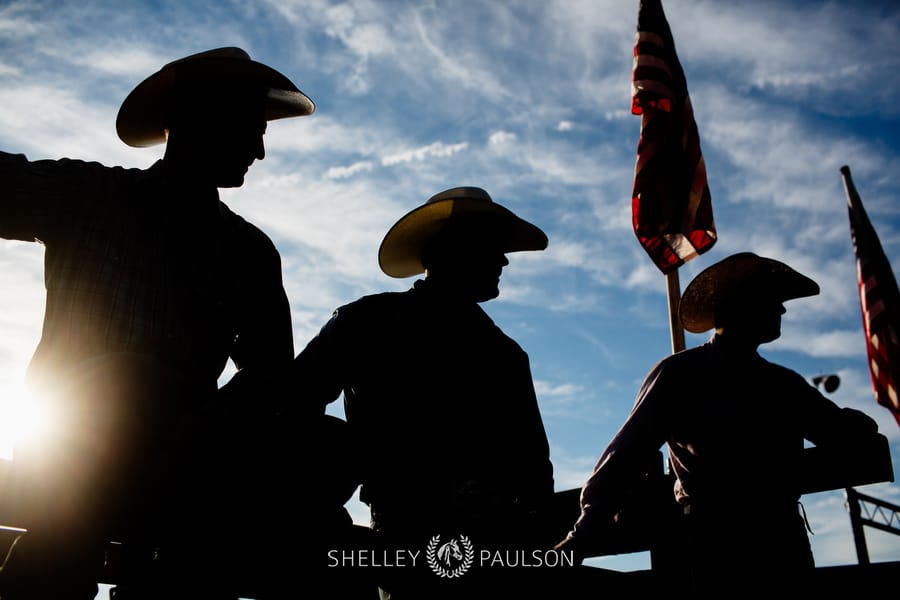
(23, 419)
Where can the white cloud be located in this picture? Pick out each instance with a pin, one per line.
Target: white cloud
(501, 137)
(825, 344)
(14, 22)
(436, 149)
(348, 171)
(127, 62)
(570, 471)
(47, 122)
(821, 65)
(362, 36)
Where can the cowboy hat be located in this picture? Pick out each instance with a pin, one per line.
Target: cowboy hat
(739, 273)
(141, 119)
(400, 254)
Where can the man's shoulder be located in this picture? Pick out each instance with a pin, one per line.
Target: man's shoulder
(247, 232)
(372, 314)
(710, 354)
(689, 356)
(783, 372)
(683, 364)
(379, 302)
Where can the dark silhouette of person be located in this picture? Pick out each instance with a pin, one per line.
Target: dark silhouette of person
(439, 401)
(735, 425)
(153, 284)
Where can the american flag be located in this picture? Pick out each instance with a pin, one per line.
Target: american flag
(670, 202)
(879, 299)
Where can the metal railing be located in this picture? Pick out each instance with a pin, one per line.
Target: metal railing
(868, 511)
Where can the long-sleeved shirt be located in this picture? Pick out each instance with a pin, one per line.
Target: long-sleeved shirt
(735, 426)
(441, 401)
(136, 261)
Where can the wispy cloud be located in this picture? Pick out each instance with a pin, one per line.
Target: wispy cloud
(433, 150)
(350, 170)
(501, 137)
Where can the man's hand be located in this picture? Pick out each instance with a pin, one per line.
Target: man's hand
(570, 545)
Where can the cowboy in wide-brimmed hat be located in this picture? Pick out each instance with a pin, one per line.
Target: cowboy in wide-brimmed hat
(735, 426)
(150, 279)
(459, 236)
(206, 80)
(442, 401)
(405, 243)
(211, 108)
(743, 292)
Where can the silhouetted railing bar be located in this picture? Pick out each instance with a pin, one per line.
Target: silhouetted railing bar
(644, 525)
(873, 507)
(860, 504)
(856, 525)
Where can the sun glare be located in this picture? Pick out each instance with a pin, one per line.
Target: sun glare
(22, 419)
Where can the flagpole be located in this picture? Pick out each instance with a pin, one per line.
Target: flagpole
(673, 289)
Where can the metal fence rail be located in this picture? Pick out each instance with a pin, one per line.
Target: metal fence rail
(868, 511)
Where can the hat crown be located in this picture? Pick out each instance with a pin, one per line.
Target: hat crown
(231, 52)
(739, 274)
(461, 193)
(400, 254)
(142, 117)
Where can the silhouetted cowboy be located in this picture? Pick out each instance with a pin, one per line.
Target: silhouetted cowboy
(153, 284)
(735, 426)
(441, 402)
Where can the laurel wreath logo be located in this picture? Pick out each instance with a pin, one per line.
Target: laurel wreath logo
(435, 548)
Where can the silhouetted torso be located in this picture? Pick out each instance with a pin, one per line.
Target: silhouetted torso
(152, 285)
(735, 426)
(442, 403)
(138, 263)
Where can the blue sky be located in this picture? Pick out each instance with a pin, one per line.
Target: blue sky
(529, 100)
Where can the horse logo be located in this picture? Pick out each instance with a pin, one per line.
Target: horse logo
(448, 551)
(450, 559)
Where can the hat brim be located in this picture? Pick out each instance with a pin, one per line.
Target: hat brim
(718, 282)
(400, 254)
(141, 118)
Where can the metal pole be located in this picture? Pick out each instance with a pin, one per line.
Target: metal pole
(856, 525)
(673, 288)
(665, 560)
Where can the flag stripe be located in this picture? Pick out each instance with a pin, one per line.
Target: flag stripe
(879, 299)
(671, 204)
